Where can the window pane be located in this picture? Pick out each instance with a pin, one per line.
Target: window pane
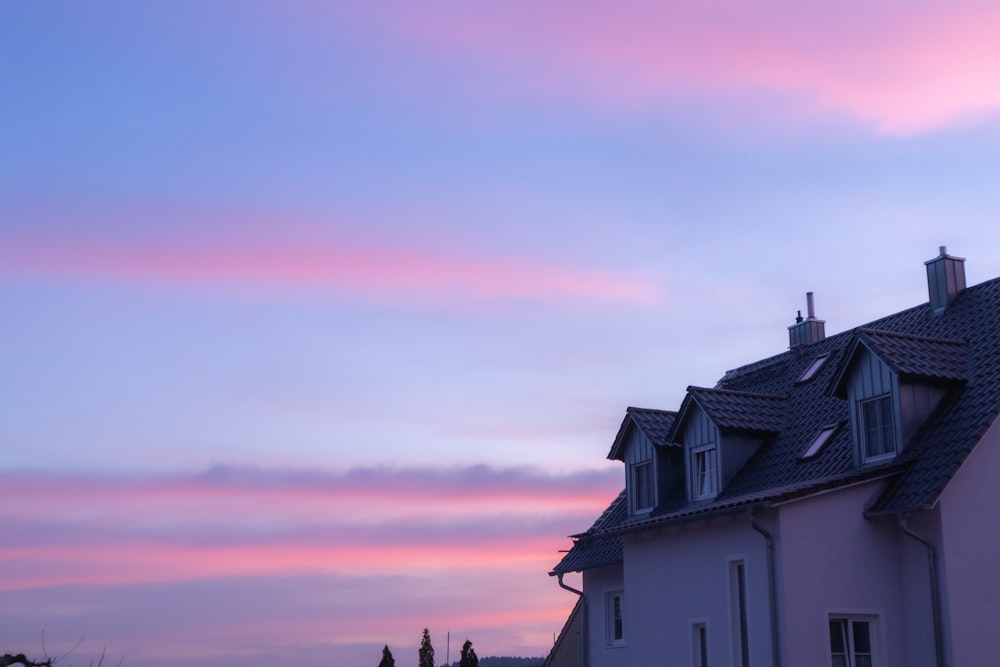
(837, 637)
(862, 637)
(877, 427)
(619, 630)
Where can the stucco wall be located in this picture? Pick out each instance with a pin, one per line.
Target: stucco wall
(970, 554)
(596, 583)
(682, 576)
(835, 561)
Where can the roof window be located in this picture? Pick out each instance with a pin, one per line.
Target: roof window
(819, 442)
(814, 367)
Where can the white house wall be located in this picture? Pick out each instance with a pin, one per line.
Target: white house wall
(680, 577)
(970, 516)
(596, 584)
(835, 561)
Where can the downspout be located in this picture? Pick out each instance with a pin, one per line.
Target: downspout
(772, 591)
(585, 649)
(935, 589)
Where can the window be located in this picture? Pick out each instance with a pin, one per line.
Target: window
(819, 441)
(877, 429)
(738, 606)
(613, 607)
(851, 642)
(814, 367)
(699, 644)
(703, 472)
(643, 489)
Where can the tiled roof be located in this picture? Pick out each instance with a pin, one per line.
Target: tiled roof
(912, 357)
(959, 349)
(592, 550)
(740, 410)
(654, 424)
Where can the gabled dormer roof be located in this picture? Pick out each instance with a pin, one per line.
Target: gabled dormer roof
(654, 424)
(909, 356)
(733, 410)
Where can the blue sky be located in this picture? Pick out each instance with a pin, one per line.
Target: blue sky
(281, 242)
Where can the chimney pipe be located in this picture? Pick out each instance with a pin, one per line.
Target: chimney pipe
(810, 306)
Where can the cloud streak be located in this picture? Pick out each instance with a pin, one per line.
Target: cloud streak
(903, 71)
(74, 539)
(380, 272)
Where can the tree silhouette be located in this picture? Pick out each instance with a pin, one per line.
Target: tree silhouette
(387, 659)
(21, 659)
(469, 657)
(426, 652)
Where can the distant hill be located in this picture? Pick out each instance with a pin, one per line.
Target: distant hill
(504, 661)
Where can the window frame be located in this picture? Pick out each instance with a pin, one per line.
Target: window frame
(643, 494)
(699, 643)
(850, 652)
(882, 431)
(739, 611)
(709, 455)
(814, 368)
(819, 443)
(614, 618)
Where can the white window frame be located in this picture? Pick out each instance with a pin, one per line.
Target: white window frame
(739, 611)
(709, 455)
(881, 428)
(643, 502)
(813, 368)
(851, 653)
(819, 442)
(700, 652)
(614, 618)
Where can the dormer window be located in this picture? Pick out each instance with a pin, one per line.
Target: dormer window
(704, 472)
(643, 487)
(877, 428)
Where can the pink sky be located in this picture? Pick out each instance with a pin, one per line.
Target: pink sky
(76, 535)
(319, 318)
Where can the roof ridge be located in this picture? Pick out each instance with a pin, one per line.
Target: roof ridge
(736, 392)
(659, 410)
(908, 336)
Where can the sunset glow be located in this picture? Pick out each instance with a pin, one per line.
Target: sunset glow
(319, 319)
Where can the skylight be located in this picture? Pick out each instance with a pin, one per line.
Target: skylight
(823, 437)
(814, 368)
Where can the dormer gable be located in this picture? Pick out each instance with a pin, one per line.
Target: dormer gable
(719, 430)
(892, 382)
(651, 468)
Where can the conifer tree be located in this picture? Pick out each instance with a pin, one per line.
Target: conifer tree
(387, 659)
(469, 657)
(426, 652)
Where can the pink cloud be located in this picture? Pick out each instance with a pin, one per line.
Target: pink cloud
(335, 557)
(356, 270)
(905, 69)
(253, 522)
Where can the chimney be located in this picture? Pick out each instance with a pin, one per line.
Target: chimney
(808, 330)
(945, 279)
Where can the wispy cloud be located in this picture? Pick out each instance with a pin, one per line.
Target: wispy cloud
(901, 69)
(381, 271)
(78, 538)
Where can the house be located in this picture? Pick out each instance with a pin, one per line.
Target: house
(834, 505)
